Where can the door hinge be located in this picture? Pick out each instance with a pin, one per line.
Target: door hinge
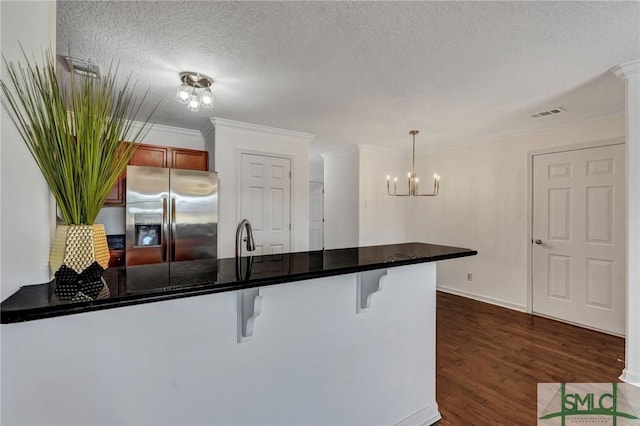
(289, 174)
(289, 227)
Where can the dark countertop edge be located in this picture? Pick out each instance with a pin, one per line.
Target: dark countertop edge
(23, 315)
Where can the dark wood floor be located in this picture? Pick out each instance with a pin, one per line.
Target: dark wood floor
(490, 359)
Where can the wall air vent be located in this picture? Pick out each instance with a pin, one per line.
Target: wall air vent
(83, 68)
(552, 111)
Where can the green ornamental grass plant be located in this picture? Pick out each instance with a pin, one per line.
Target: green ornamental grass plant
(75, 133)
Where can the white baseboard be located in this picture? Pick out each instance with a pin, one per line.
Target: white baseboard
(629, 377)
(492, 300)
(425, 417)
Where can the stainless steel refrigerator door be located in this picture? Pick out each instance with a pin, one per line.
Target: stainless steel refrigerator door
(147, 216)
(194, 215)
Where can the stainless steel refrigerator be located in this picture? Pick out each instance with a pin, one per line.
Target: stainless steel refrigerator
(171, 216)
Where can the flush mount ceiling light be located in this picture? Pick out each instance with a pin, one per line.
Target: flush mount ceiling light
(412, 178)
(188, 95)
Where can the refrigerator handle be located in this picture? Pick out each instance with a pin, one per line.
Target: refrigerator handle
(173, 229)
(165, 229)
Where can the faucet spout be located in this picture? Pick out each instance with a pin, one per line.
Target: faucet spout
(251, 245)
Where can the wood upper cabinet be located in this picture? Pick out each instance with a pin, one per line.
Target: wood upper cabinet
(170, 157)
(151, 156)
(116, 195)
(159, 156)
(189, 159)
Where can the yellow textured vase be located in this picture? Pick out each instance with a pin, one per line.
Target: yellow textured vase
(78, 258)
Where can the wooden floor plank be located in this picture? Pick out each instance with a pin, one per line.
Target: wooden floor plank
(490, 360)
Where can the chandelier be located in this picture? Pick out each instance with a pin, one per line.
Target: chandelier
(188, 95)
(412, 178)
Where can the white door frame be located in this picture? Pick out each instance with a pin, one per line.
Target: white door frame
(322, 183)
(530, 156)
(291, 158)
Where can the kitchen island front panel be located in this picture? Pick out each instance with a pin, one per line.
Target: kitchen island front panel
(312, 359)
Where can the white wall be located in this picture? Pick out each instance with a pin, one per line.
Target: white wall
(209, 137)
(483, 205)
(113, 217)
(381, 217)
(358, 211)
(26, 219)
(630, 73)
(341, 203)
(231, 138)
(316, 174)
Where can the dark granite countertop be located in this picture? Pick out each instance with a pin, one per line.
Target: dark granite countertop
(151, 283)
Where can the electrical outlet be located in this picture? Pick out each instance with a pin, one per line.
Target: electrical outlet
(469, 276)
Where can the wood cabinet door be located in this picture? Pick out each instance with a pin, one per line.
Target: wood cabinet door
(189, 159)
(116, 258)
(151, 156)
(116, 195)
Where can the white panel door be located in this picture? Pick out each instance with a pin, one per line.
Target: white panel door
(316, 216)
(266, 201)
(579, 237)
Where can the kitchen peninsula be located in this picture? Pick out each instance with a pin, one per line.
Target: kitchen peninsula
(343, 336)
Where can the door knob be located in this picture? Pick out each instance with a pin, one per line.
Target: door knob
(538, 241)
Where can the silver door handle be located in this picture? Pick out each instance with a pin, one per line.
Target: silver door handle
(164, 229)
(538, 241)
(173, 229)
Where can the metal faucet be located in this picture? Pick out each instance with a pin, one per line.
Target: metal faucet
(251, 245)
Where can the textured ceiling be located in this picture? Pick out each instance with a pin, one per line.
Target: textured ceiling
(368, 72)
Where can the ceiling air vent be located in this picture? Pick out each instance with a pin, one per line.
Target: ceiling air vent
(556, 110)
(84, 68)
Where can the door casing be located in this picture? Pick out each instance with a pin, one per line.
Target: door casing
(317, 186)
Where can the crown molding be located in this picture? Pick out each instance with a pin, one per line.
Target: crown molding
(362, 147)
(207, 130)
(223, 122)
(339, 151)
(451, 145)
(168, 129)
(624, 71)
